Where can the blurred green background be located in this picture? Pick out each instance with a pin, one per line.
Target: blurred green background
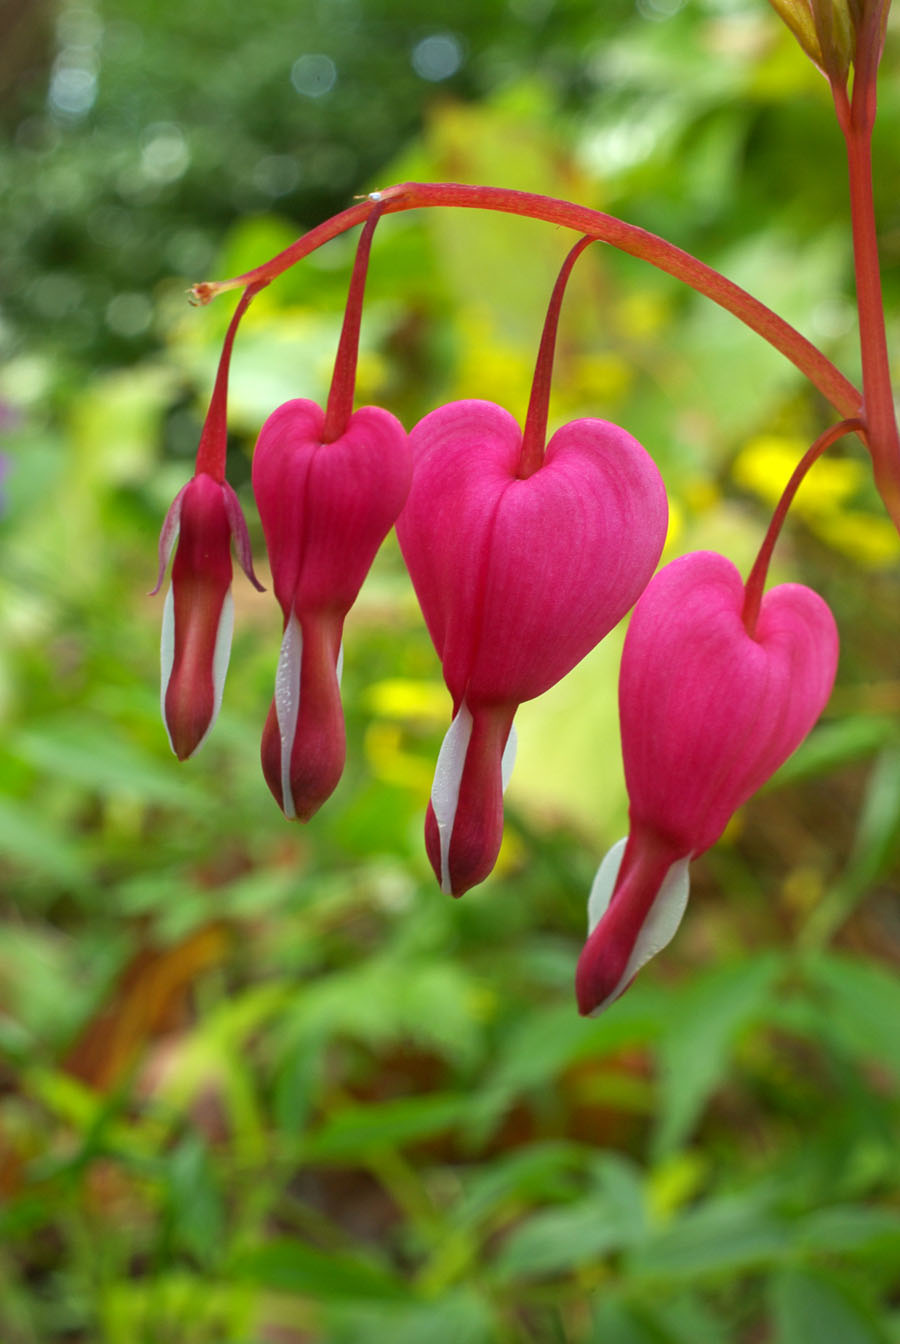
(262, 1083)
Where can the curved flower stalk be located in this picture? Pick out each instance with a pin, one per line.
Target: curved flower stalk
(198, 616)
(718, 686)
(329, 486)
(522, 560)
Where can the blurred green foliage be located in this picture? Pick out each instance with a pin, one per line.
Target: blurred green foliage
(263, 1084)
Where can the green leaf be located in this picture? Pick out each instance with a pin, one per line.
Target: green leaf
(616, 1322)
(809, 1308)
(834, 744)
(88, 754)
(459, 1318)
(291, 1267)
(848, 1228)
(875, 846)
(557, 1240)
(357, 1130)
(196, 1203)
(540, 1172)
(860, 1006)
(702, 1023)
(31, 840)
(547, 1042)
(676, 1320)
(725, 1236)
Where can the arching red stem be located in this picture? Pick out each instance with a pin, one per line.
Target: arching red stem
(343, 381)
(534, 436)
(212, 449)
(638, 242)
(756, 579)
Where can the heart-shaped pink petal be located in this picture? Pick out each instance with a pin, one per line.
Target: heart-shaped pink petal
(708, 712)
(325, 508)
(518, 578)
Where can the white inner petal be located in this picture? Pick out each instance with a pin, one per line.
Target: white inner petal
(339, 665)
(221, 655)
(166, 656)
(661, 923)
(447, 779)
(509, 757)
(287, 704)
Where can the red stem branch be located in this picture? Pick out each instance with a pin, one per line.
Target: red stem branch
(837, 389)
(878, 400)
(212, 449)
(343, 380)
(534, 435)
(756, 579)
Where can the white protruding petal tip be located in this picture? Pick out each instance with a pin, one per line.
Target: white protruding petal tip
(448, 772)
(661, 923)
(604, 883)
(166, 656)
(287, 705)
(509, 757)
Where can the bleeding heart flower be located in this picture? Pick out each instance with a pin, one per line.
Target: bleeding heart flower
(198, 616)
(522, 561)
(329, 486)
(325, 508)
(709, 710)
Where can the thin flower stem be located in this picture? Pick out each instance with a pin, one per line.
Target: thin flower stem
(534, 435)
(878, 400)
(343, 381)
(212, 449)
(837, 389)
(756, 579)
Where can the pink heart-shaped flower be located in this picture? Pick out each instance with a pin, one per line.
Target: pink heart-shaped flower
(708, 713)
(518, 578)
(325, 508)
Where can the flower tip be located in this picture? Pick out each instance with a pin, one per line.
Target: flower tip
(460, 879)
(192, 676)
(464, 822)
(303, 743)
(636, 904)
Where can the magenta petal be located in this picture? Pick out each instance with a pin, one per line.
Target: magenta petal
(197, 619)
(303, 743)
(464, 455)
(325, 510)
(708, 713)
(519, 578)
(168, 536)
(327, 507)
(464, 822)
(240, 535)
(635, 907)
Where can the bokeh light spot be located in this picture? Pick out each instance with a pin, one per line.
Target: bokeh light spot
(165, 154)
(314, 74)
(437, 57)
(129, 314)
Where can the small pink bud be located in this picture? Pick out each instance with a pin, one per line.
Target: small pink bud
(708, 713)
(198, 617)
